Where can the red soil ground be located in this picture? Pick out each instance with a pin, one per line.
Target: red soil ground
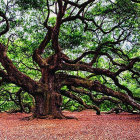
(89, 126)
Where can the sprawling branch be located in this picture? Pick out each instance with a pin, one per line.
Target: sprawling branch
(80, 101)
(78, 65)
(98, 52)
(93, 99)
(95, 53)
(99, 71)
(84, 67)
(15, 76)
(98, 87)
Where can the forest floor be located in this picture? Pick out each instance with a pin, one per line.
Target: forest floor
(89, 126)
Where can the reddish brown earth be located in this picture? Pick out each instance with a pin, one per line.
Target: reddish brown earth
(89, 126)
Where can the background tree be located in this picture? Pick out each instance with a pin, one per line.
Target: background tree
(84, 50)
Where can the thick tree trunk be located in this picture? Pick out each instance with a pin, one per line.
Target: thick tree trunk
(48, 106)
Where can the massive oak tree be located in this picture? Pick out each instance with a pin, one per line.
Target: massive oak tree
(98, 30)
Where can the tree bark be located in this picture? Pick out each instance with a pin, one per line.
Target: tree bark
(48, 103)
(48, 106)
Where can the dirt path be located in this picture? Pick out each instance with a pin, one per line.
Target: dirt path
(88, 127)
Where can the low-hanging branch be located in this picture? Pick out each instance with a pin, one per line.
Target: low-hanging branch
(96, 86)
(92, 98)
(12, 75)
(80, 101)
(74, 65)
